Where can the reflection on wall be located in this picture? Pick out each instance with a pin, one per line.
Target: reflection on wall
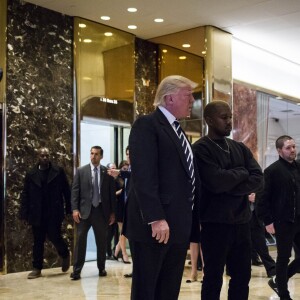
(218, 69)
(39, 113)
(104, 63)
(245, 116)
(146, 76)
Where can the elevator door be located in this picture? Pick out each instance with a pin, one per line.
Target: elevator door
(113, 139)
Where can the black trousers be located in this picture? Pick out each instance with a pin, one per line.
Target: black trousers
(157, 270)
(52, 231)
(97, 221)
(259, 243)
(226, 244)
(286, 233)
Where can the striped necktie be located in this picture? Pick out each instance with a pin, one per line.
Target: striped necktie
(187, 152)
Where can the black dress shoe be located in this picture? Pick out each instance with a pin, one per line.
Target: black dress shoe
(75, 276)
(102, 273)
(65, 265)
(128, 275)
(257, 263)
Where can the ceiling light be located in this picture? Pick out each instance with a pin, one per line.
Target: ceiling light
(186, 45)
(182, 57)
(105, 18)
(158, 20)
(108, 34)
(132, 9)
(87, 40)
(203, 52)
(164, 50)
(132, 26)
(81, 25)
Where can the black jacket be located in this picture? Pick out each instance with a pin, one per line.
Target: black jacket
(227, 180)
(58, 196)
(278, 199)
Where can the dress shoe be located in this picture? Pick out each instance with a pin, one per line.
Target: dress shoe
(65, 265)
(193, 279)
(35, 273)
(102, 273)
(125, 261)
(75, 276)
(273, 285)
(115, 257)
(257, 263)
(129, 275)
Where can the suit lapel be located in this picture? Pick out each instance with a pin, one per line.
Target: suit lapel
(102, 174)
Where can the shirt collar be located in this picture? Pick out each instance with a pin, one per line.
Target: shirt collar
(93, 167)
(167, 114)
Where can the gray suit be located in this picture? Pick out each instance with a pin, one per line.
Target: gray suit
(97, 218)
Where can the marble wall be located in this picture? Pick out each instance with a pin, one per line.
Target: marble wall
(146, 76)
(245, 116)
(39, 112)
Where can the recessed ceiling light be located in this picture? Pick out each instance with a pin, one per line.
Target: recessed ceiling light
(81, 25)
(132, 9)
(132, 26)
(105, 18)
(108, 34)
(182, 57)
(165, 51)
(203, 52)
(186, 45)
(158, 20)
(87, 40)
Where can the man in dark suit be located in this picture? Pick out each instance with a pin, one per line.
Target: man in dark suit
(45, 200)
(158, 216)
(93, 204)
(279, 207)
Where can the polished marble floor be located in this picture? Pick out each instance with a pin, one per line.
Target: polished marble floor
(55, 285)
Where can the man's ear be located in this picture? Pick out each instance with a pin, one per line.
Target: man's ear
(208, 120)
(168, 99)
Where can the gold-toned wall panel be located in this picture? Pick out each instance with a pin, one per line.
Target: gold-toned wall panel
(218, 65)
(104, 66)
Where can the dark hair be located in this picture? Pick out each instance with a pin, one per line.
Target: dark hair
(127, 149)
(280, 141)
(98, 148)
(212, 107)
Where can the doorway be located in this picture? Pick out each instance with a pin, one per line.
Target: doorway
(113, 139)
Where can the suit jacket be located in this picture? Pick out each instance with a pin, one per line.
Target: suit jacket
(82, 192)
(57, 196)
(160, 184)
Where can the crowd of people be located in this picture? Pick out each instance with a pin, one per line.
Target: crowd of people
(169, 196)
